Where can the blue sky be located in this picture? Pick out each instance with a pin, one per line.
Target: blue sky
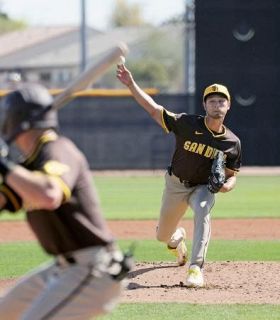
(68, 12)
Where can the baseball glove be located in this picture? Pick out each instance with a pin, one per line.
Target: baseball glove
(217, 177)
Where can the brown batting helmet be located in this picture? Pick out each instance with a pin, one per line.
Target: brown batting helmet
(27, 107)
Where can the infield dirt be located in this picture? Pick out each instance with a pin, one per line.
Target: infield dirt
(226, 282)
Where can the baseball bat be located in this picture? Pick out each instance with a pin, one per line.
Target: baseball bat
(90, 75)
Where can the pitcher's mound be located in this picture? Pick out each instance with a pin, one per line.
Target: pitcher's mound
(226, 282)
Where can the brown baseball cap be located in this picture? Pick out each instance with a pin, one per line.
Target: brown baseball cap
(216, 89)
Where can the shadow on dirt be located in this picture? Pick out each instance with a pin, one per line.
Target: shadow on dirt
(140, 271)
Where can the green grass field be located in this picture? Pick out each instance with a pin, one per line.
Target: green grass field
(253, 197)
(183, 311)
(18, 258)
(139, 198)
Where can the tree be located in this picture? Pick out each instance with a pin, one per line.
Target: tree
(7, 24)
(149, 72)
(126, 15)
(161, 60)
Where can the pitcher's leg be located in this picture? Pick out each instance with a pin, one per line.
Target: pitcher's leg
(173, 207)
(201, 202)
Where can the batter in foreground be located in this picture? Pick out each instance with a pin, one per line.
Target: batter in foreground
(206, 160)
(54, 184)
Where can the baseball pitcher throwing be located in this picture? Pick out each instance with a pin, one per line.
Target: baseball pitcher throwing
(206, 160)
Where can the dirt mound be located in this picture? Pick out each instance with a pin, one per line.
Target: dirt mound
(226, 282)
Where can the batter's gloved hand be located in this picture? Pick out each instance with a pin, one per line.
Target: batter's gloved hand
(122, 264)
(217, 177)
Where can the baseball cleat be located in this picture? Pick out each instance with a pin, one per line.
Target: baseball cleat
(180, 251)
(195, 277)
(182, 254)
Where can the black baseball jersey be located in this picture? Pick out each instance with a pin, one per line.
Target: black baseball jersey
(197, 145)
(78, 222)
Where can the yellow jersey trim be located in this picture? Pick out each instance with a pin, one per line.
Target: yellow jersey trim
(65, 189)
(47, 137)
(9, 194)
(235, 171)
(214, 134)
(163, 122)
(55, 169)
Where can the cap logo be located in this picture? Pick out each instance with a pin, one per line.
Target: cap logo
(215, 88)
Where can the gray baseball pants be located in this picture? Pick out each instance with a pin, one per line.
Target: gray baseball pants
(175, 202)
(64, 291)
